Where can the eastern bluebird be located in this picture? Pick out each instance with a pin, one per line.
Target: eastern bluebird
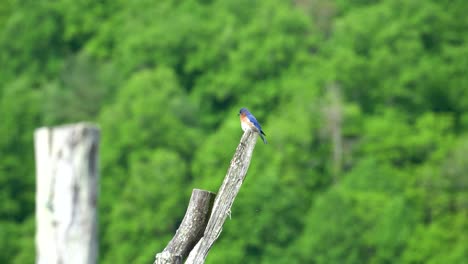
(248, 121)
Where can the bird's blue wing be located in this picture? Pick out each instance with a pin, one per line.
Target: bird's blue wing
(255, 122)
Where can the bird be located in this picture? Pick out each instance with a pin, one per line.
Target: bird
(248, 121)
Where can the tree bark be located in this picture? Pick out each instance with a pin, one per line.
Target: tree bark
(67, 183)
(225, 197)
(190, 230)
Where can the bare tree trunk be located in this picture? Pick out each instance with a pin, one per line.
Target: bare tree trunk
(190, 230)
(66, 194)
(225, 197)
(194, 223)
(334, 117)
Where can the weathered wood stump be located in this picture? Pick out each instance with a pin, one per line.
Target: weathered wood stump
(190, 230)
(67, 184)
(222, 204)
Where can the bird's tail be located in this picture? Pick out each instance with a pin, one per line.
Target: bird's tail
(263, 138)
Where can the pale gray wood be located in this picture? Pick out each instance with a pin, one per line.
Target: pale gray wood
(190, 230)
(166, 257)
(67, 184)
(225, 197)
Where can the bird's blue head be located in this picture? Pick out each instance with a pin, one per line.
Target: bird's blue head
(243, 111)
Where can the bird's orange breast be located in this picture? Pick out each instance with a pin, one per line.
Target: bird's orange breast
(243, 118)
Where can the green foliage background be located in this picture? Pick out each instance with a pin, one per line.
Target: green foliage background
(365, 104)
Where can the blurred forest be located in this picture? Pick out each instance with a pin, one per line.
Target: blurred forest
(364, 103)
